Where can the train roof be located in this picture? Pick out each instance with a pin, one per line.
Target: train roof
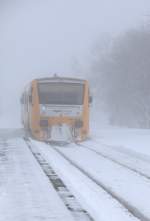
(60, 79)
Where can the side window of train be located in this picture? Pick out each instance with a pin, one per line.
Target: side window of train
(31, 96)
(25, 101)
(22, 99)
(90, 98)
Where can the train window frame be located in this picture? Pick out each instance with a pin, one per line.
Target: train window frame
(72, 83)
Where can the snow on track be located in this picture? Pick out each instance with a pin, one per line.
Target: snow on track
(94, 199)
(132, 141)
(132, 189)
(25, 191)
(124, 158)
(67, 197)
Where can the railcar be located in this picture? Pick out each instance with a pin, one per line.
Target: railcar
(56, 109)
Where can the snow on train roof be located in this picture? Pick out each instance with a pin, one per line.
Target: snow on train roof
(60, 79)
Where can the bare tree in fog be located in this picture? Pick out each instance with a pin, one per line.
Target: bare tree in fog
(124, 79)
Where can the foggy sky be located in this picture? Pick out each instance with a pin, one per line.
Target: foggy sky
(42, 37)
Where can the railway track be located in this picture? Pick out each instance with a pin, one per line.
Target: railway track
(131, 213)
(3, 150)
(125, 151)
(67, 197)
(133, 163)
(130, 208)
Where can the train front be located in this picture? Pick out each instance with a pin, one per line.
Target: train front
(64, 109)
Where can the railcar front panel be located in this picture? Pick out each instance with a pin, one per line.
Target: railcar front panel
(58, 109)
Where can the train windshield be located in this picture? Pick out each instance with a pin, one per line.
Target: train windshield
(61, 93)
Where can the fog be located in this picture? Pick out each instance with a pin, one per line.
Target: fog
(39, 38)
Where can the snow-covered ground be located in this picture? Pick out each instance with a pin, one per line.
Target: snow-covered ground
(108, 175)
(93, 198)
(25, 192)
(131, 140)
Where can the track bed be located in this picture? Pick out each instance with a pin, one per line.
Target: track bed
(72, 183)
(26, 193)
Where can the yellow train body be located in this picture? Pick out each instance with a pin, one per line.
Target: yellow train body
(56, 105)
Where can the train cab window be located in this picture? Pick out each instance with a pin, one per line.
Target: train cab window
(61, 93)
